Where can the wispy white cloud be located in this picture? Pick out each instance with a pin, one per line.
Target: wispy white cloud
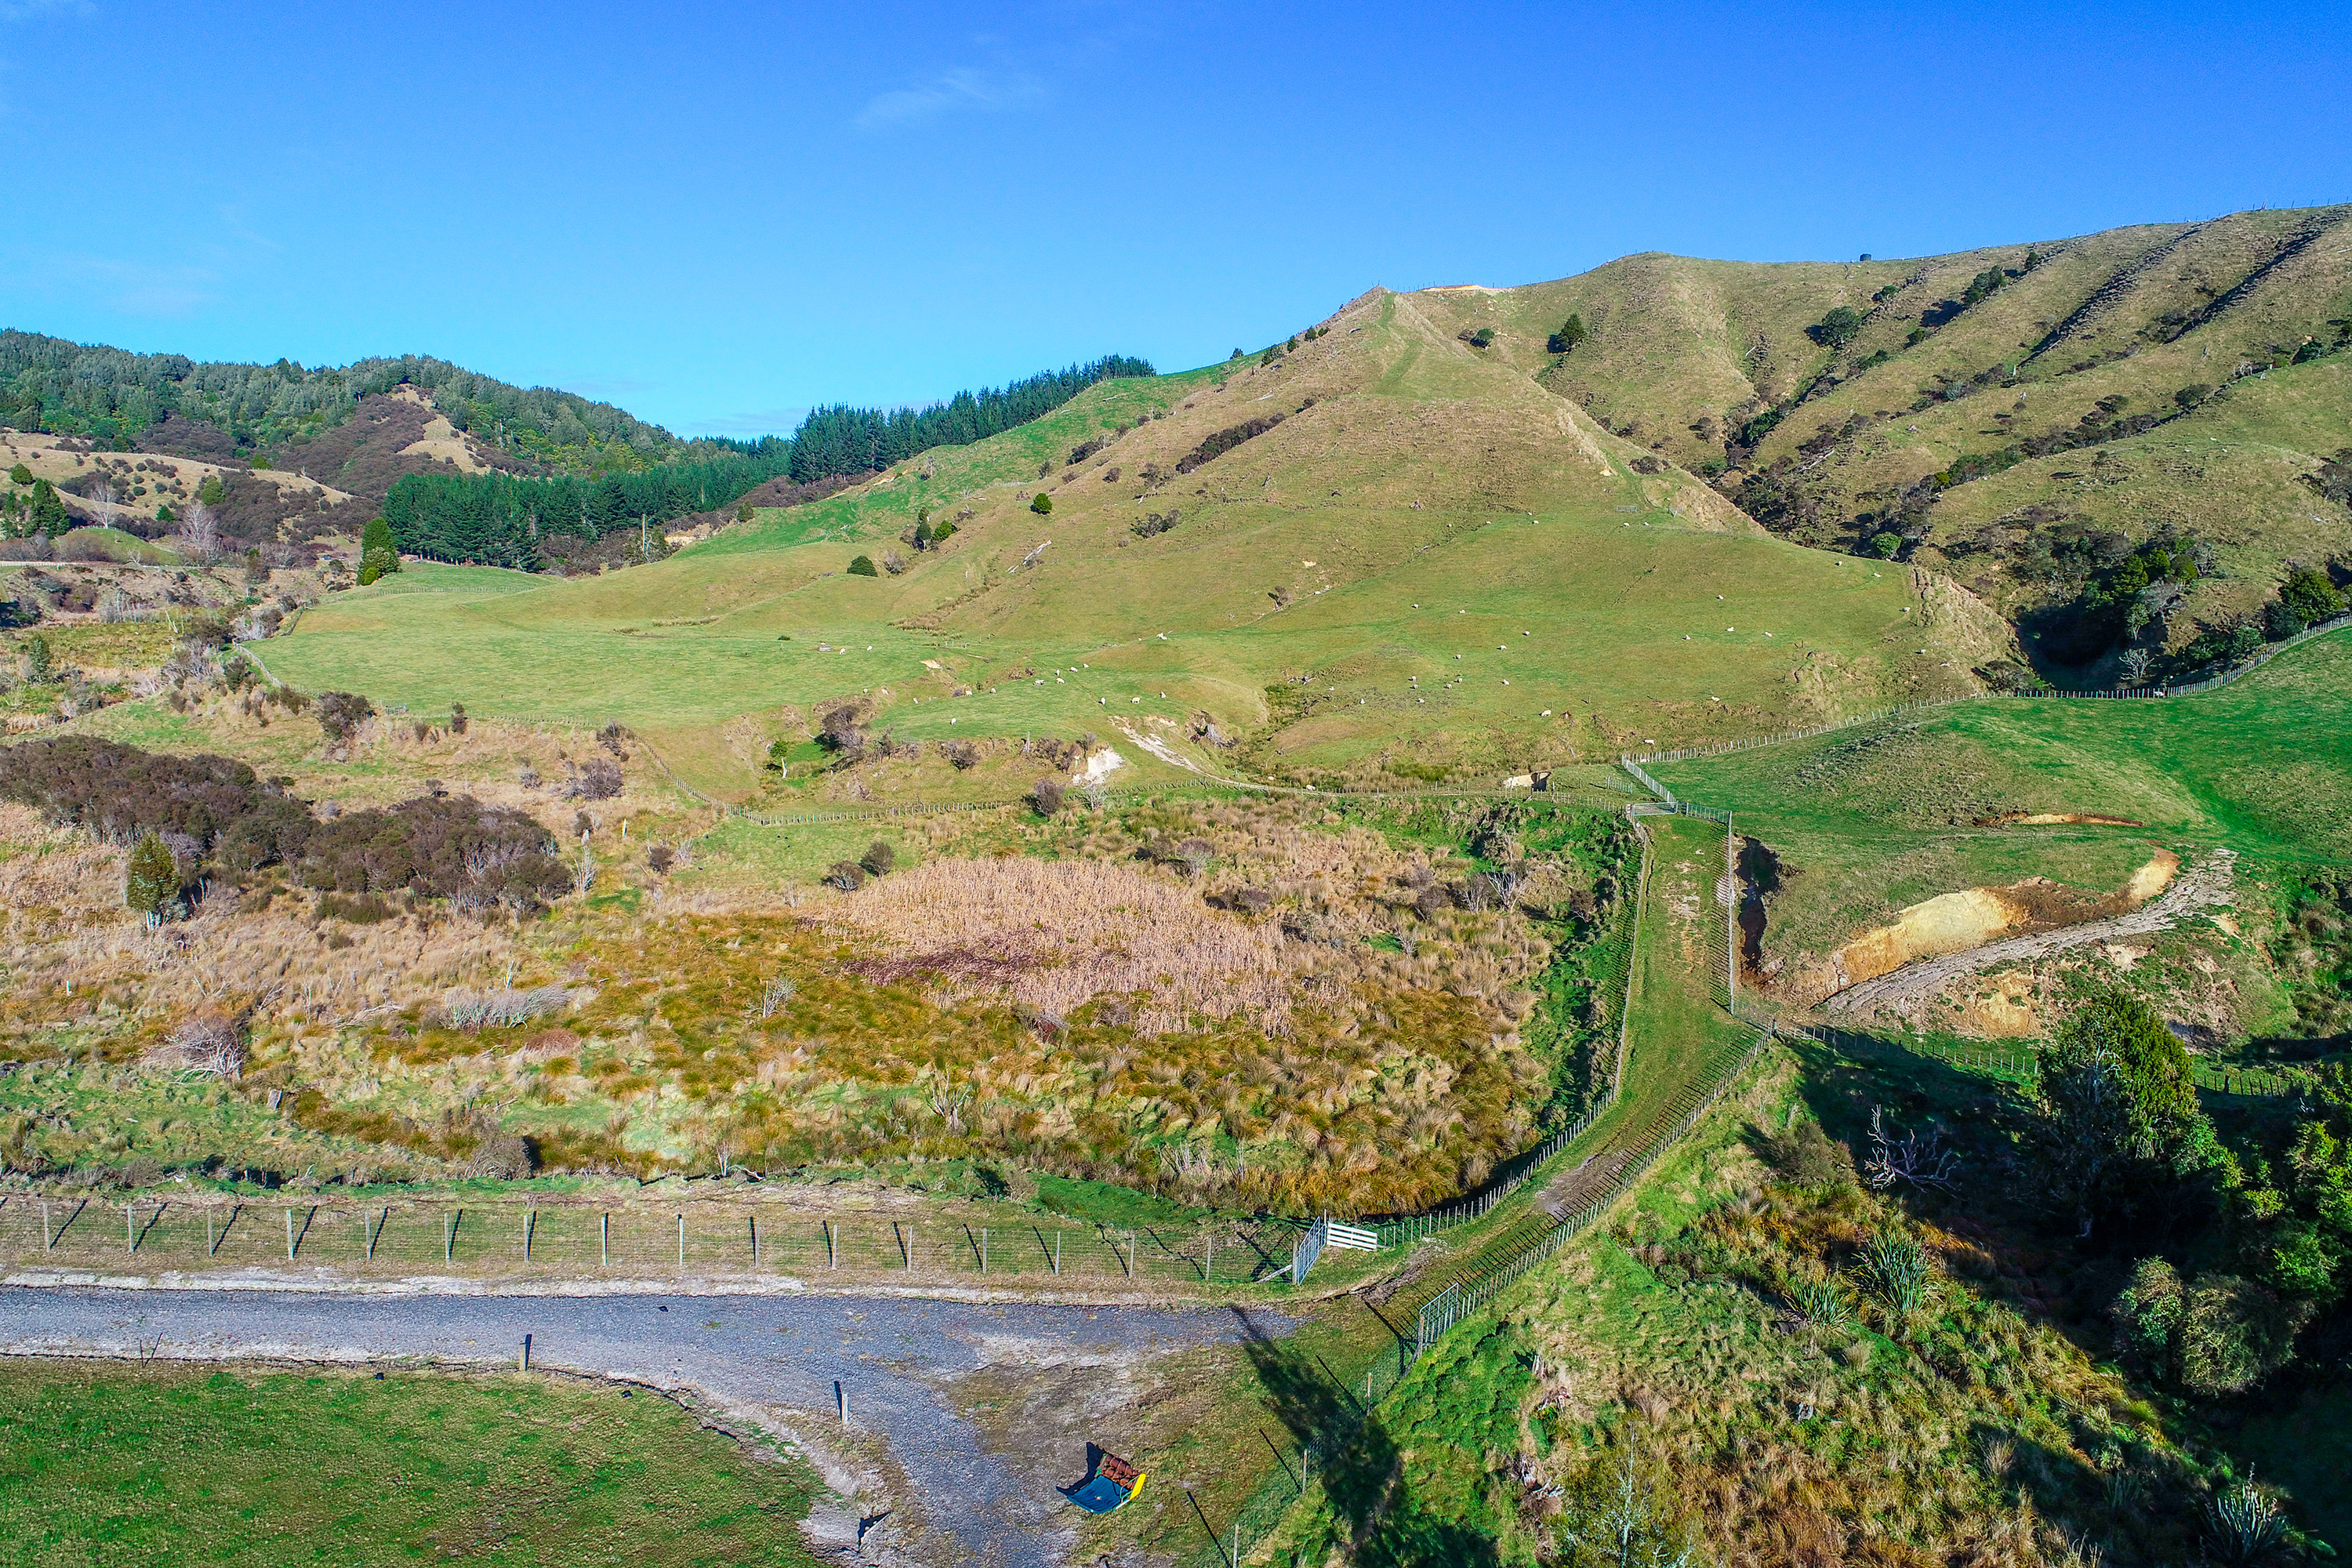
(949, 92)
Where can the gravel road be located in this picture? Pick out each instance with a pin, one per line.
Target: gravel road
(766, 1357)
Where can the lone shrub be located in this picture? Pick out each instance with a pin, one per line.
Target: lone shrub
(1156, 523)
(846, 875)
(1805, 1157)
(1572, 332)
(1898, 1270)
(341, 713)
(2309, 595)
(1838, 328)
(879, 859)
(1047, 796)
(1043, 505)
(863, 566)
(151, 879)
(598, 778)
(2147, 1312)
(2232, 1334)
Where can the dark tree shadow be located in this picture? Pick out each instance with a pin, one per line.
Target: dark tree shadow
(1356, 1460)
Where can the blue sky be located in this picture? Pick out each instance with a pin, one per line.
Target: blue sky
(717, 215)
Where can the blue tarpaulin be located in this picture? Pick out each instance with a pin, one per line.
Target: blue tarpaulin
(1112, 1484)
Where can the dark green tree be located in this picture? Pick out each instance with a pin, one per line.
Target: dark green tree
(2120, 1136)
(20, 475)
(1983, 284)
(1572, 332)
(1044, 505)
(164, 513)
(1838, 328)
(2312, 597)
(49, 514)
(210, 492)
(151, 879)
(863, 566)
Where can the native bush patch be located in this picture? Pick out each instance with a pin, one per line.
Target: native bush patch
(444, 846)
(1224, 441)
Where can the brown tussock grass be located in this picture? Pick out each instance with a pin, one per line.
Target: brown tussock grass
(1057, 934)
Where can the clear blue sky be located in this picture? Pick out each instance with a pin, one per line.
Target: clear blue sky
(717, 215)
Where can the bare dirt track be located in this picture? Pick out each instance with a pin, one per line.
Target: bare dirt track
(2203, 886)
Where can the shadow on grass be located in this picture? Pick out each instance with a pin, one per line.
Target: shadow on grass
(1355, 1459)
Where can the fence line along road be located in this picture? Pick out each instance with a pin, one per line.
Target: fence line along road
(403, 1237)
(1463, 1298)
(1405, 1230)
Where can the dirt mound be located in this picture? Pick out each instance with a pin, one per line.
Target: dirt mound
(1955, 923)
(2208, 884)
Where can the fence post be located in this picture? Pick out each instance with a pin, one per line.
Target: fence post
(604, 1240)
(449, 1234)
(681, 1242)
(290, 1235)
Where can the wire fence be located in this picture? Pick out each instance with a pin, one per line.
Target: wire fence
(1465, 1298)
(1350, 1404)
(1618, 970)
(2020, 1063)
(523, 1240)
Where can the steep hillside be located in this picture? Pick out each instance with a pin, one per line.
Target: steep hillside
(2024, 416)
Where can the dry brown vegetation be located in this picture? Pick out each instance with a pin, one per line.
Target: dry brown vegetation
(1057, 934)
(1181, 996)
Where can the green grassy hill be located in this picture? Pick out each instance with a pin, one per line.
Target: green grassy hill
(1431, 561)
(2224, 338)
